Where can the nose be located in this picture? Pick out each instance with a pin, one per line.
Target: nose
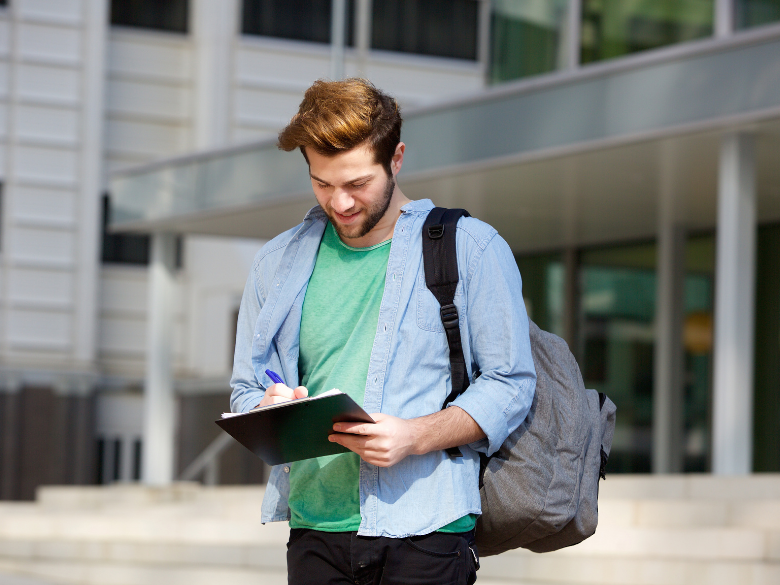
(342, 201)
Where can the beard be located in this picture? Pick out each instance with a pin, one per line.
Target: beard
(374, 213)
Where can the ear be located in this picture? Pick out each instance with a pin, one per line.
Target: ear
(398, 158)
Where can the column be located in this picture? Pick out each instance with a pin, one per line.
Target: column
(668, 363)
(363, 35)
(159, 411)
(570, 47)
(734, 307)
(215, 26)
(338, 26)
(484, 15)
(92, 181)
(724, 17)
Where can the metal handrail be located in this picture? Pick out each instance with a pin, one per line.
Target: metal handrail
(208, 461)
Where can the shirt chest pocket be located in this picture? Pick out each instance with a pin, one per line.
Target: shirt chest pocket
(428, 315)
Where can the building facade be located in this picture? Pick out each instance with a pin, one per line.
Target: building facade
(600, 137)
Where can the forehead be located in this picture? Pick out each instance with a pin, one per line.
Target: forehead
(356, 162)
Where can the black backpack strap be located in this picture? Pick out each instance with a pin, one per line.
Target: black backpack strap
(440, 260)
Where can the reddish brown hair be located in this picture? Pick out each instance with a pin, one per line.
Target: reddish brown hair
(336, 116)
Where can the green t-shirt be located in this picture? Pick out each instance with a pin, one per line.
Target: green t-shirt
(338, 326)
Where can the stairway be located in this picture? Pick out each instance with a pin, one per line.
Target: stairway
(653, 530)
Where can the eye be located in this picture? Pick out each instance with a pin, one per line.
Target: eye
(358, 185)
(321, 185)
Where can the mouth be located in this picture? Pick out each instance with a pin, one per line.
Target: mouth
(346, 219)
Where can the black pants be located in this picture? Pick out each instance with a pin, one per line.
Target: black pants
(344, 558)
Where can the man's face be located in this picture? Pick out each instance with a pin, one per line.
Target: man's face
(353, 189)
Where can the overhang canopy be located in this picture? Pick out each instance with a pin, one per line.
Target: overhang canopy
(562, 159)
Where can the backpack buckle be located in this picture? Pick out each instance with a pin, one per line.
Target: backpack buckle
(436, 231)
(449, 316)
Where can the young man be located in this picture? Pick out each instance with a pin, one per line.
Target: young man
(340, 301)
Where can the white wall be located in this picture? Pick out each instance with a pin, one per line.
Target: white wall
(50, 78)
(149, 105)
(149, 114)
(271, 76)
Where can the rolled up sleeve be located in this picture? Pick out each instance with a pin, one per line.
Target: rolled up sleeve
(500, 398)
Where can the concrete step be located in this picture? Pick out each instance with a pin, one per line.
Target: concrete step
(510, 568)
(696, 530)
(692, 487)
(557, 569)
(672, 513)
(104, 573)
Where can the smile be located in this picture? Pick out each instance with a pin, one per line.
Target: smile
(346, 218)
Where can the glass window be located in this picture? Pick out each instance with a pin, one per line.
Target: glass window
(167, 15)
(617, 307)
(122, 248)
(527, 37)
(129, 248)
(611, 28)
(442, 28)
(757, 12)
(543, 276)
(697, 343)
(299, 20)
(766, 439)
(617, 338)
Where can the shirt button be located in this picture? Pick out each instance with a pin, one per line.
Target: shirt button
(286, 469)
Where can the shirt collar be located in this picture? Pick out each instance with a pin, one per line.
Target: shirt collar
(417, 206)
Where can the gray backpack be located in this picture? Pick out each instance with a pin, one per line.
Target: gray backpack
(539, 491)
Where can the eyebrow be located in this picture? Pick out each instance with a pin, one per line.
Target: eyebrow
(350, 182)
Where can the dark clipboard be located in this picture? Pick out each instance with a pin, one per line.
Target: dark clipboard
(294, 430)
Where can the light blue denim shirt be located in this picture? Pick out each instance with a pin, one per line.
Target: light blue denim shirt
(409, 368)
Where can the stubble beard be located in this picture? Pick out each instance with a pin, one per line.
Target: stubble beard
(373, 215)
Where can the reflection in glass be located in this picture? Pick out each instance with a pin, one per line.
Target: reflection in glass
(766, 441)
(617, 338)
(757, 12)
(527, 37)
(441, 28)
(167, 15)
(611, 28)
(300, 20)
(543, 276)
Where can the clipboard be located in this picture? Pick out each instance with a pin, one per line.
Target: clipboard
(296, 429)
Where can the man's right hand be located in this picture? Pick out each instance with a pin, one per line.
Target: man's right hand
(281, 393)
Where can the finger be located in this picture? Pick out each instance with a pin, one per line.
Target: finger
(351, 442)
(281, 390)
(279, 399)
(301, 392)
(352, 428)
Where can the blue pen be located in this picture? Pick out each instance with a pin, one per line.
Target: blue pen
(277, 379)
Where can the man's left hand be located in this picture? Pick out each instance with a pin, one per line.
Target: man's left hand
(390, 439)
(383, 443)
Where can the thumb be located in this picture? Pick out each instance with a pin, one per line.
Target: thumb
(301, 392)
